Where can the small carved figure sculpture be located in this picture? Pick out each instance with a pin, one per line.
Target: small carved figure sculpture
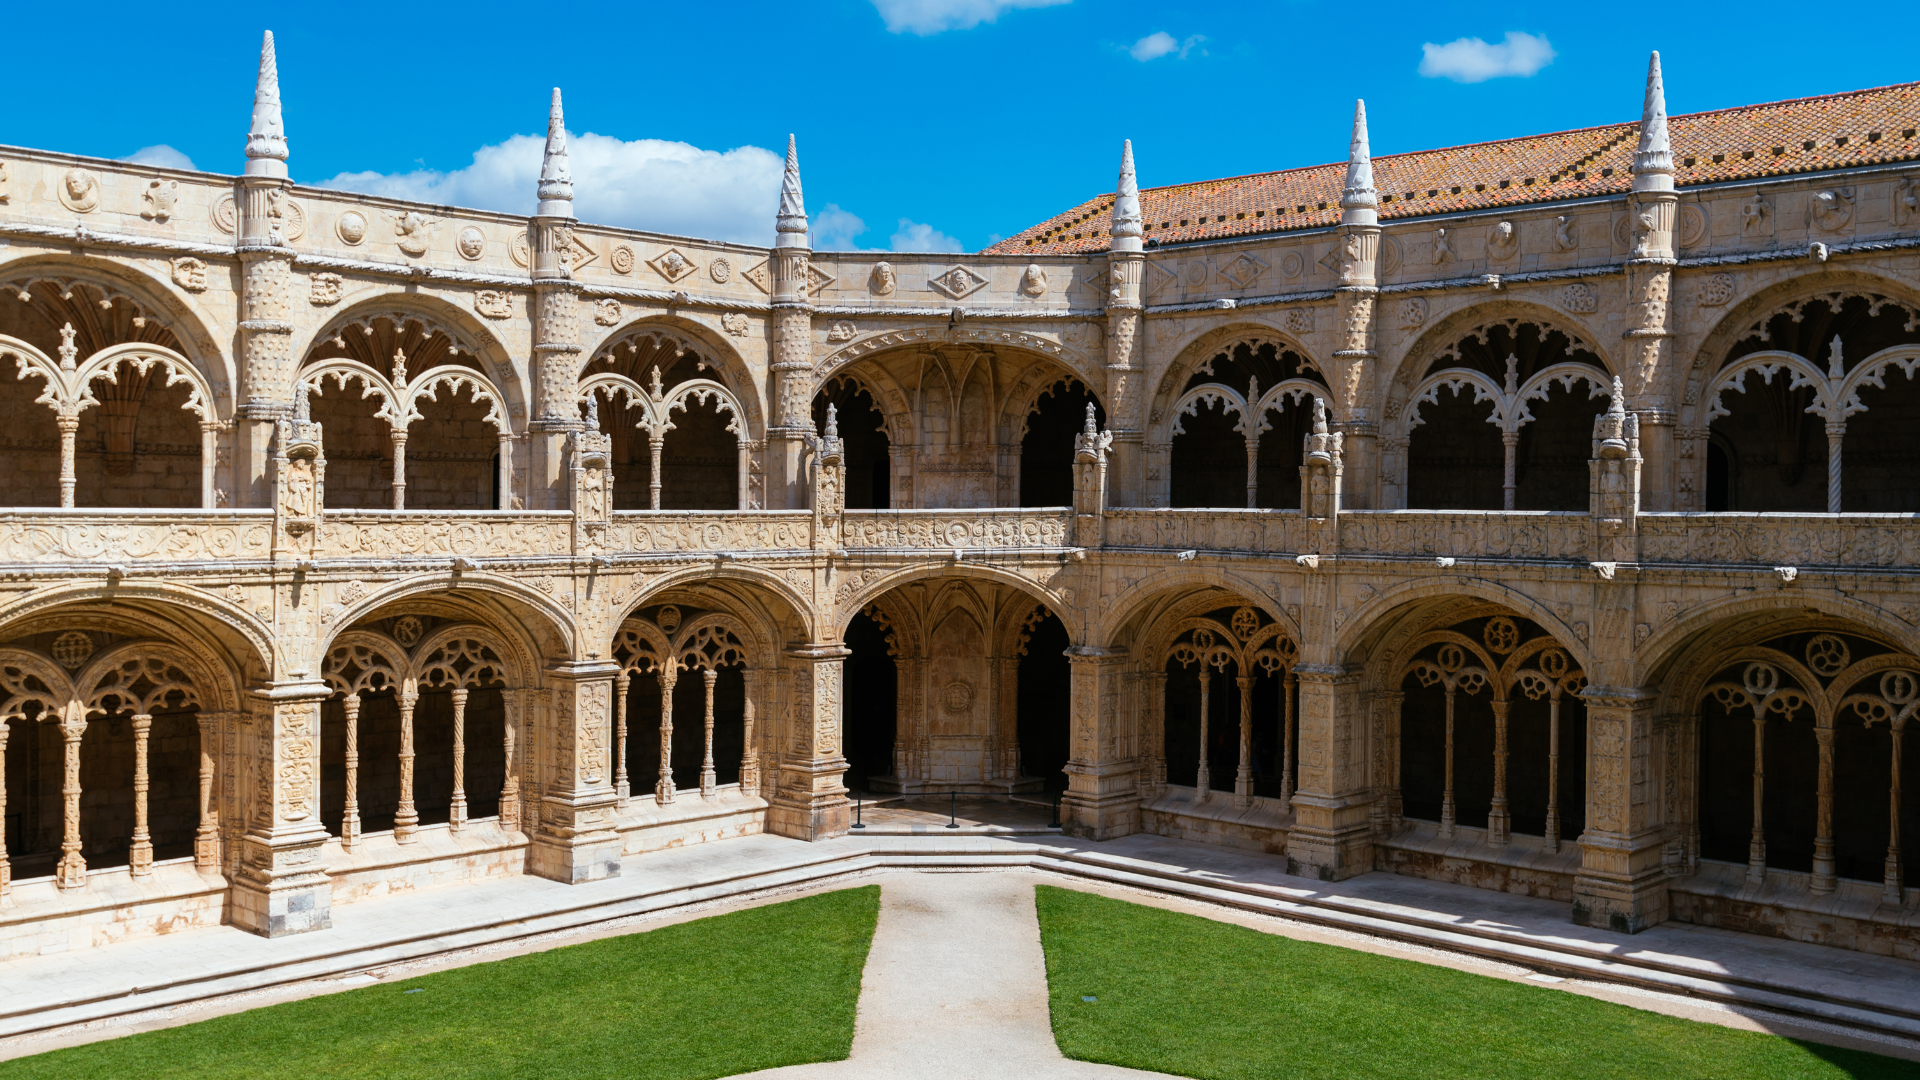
(882, 280)
(1563, 233)
(79, 190)
(1442, 247)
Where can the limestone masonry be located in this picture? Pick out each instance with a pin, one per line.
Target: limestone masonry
(1537, 515)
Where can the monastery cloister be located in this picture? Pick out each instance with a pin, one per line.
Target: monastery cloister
(1561, 542)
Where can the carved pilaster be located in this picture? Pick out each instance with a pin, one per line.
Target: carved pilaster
(1332, 838)
(280, 886)
(266, 328)
(574, 840)
(1622, 881)
(810, 802)
(1102, 798)
(556, 363)
(785, 462)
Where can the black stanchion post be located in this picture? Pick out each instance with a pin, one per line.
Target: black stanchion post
(953, 809)
(856, 811)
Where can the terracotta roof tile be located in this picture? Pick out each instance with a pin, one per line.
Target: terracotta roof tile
(1860, 127)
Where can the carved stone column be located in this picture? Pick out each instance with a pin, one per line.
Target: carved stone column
(140, 851)
(280, 887)
(1653, 208)
(750, 734)
(71, 871)
(1126, 331)
(575, 840)
(206, 836)
(1622, 879)
(1153, 685)
(811, 800)
(1332, 837)
(1102, 799)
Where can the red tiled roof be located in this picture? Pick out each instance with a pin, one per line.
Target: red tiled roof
(1860, 127)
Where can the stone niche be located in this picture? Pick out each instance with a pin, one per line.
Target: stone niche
(958, 713)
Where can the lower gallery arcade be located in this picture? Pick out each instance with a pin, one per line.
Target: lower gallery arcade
(1772, 774)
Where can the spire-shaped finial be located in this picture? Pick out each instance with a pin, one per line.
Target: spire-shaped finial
(556, 179)
(833, 421)
(790, 227)
(1319, 415)
(1093, 423)
(302, 408)
(593, 410)
(1126, 230)
(266, 137)
(1653, 161)
(1359, 203)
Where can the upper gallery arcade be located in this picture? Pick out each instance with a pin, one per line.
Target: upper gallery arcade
(1536, 514)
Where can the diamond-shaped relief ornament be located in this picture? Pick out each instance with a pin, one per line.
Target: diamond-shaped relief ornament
(672, 265)
(818, 280)
(760, 275)
(1243, 271)
(957, 282)
(1158, 278)
(583, 255)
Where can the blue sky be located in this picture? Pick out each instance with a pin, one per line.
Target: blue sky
(922, 124)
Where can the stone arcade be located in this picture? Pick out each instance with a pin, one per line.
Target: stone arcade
(1458, 513)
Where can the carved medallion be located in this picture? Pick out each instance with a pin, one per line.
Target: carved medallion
(1291, 264)
(957, 282)
(1693, 225)
(1503, 242)
(1579, 297)
(351, 228)
(881, 281)
(1299, 321)
(671, 265)
(1034, 281)
(1831, 209)
(79, 190)
(517, 249)
(1717, 291)
(621, 260)
(1413, 311)
(472, 244)
(958, 697)
(720, 270)
(841, 331)
(223, 213)
(156, 203)
(735, 323)
(607, 312)
(407, 630)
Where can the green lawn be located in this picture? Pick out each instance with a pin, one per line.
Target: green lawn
(750, 990)
(1182, 994)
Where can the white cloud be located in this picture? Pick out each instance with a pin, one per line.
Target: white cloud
(1470, 60)
(162, 155)
(834, 229)
(924, 17)
(649, 184)
(914, 236)
(1160, 43)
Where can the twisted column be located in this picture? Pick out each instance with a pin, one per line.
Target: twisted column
(1824, 878)
(457, 812)
(510, 789)
(1836, 434)
(620, 687)
(206, 837)
(1499, 822)
(350, 815)
(140, 852)
(1510, 442)
(399, 436)
(71, 872)
(69, 428)
(1243, 778)
(1446, 798)
(1201, 780)
(405, 817)
(663, 788)
(707, 777)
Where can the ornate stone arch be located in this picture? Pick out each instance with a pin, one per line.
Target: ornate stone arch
(1085, 367)
(150, 296)
(1197, 352)
(1374, 625)
(856, 594)
(1412, 367)
(1132, 614)
(896, 414)
(1674, 648)
(541, 627)
(684, 335)
(468, 335)
(717, 586)
(1022, 399)
(1757, 306)
(231, 646)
